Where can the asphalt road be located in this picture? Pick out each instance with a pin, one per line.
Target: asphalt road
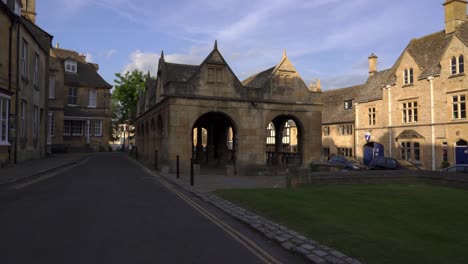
(108, 210)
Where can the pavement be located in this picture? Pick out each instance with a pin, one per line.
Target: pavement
(32, 168)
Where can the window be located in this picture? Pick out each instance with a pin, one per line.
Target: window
(70, 66)
(92, 97)
(348, 104)
(96, 128)
(459, 107)
(23, 119)
(408, 76)
(4, 116)
(371, 113)
(52, 123)
(215, 75)
(72, 95)
(77, 128)
(24, 60)
(411, 151)
(52, 87)
(67, 127)
(348, 152)
(36, 70)
(457, 65)
(326, 131)
(286, 133)
(35, 122)
(271, 134)
(340, 130)
(410, 112)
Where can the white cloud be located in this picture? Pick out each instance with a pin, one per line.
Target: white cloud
(147, 61)
(110, 53)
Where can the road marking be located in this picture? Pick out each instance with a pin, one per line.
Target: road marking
(243, 240)
(45, 177)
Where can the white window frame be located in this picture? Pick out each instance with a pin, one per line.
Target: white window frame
(73, 96)
(348, 104)
(459, 104)
(409, 112)
(271, 134)
(4, 119)
(52, 87)
(71, 66)
(96, 128)
(286, 134)
(76, 128)
(371, 116)
(457, 65)
(67, 124)
(408, 77)
(92, 97)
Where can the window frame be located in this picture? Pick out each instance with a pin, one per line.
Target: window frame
(92, 101)
(271, 134)
(72, 96)
(36, 71)
(459, 104)
(93, 128)
(371, 116)
(410, 150)
(409, 112)
(71, 66)
(348, 104)
(24, 60)
(4, 119)
(408, 76)
(457, 65)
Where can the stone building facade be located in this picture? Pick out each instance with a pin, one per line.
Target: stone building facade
(416, 110)
(24, 60)
(79, 104)
(206, 113)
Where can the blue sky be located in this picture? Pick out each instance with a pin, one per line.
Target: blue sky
(326, 39)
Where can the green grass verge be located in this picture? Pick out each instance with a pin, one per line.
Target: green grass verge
(374, 223)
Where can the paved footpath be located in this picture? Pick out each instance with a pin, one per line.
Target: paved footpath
(107, 209)
(32, 168)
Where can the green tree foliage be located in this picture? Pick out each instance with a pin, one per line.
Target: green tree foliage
(125, 95)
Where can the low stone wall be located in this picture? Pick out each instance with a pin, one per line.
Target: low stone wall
(303, 178)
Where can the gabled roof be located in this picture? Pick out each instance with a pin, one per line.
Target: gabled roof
(333, 104)
(86, 73)
(259, 79)
(179, 72)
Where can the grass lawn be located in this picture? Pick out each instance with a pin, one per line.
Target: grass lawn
(374, 223)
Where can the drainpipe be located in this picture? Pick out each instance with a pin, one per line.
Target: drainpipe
(431, 81)
(390, 136)
(356, 123)
(18, 26)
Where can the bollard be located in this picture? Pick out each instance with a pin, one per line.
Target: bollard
(178, 170)
(156, 160)
(191, 171)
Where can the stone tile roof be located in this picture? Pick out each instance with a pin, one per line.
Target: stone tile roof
(428, 51)
(179, 72)
(43, 38)
(333, 104)
(259, 79)
(74, 112)
(86, 75)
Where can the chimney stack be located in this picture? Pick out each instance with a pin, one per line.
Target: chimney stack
(372, 64)
(455, 14)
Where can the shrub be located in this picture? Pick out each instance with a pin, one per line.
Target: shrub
(445, 164)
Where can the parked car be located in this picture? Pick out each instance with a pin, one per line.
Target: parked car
(346, 163)
(463, 168)
(385, 163)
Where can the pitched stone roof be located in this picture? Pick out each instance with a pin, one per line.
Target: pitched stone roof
(333, 104)
(179, 72)
(43, 38)
(74, 112)
(259, 79)
(428, 51)
(86, 73)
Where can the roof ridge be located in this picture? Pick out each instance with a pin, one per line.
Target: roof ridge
(429, 35)
(182, 64)
(344, 88)
(260, 72)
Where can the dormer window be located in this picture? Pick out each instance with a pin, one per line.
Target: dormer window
(70, 66)
(348, 104)
(408, 76)
(457, 65)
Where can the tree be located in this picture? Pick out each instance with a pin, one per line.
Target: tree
(125, 95)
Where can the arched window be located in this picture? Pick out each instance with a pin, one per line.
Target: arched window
(453, 65)
(461, 64)
(457, 65)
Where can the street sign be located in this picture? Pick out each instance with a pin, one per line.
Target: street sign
(367, 136)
